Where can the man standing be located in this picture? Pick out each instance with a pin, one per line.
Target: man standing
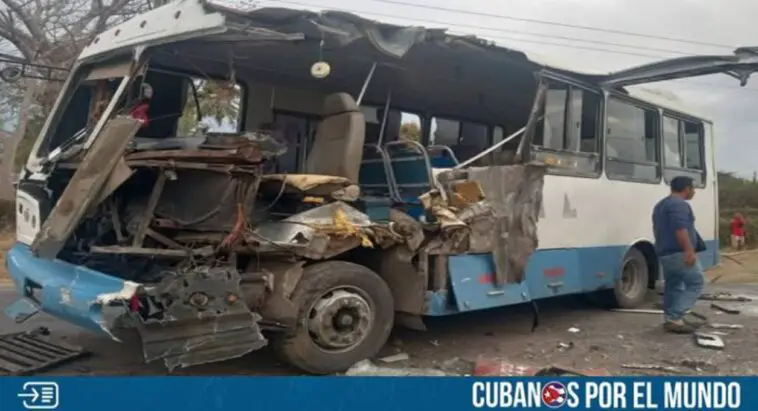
(677, 243)
(738, 232)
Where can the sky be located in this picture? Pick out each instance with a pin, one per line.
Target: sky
(708, 26)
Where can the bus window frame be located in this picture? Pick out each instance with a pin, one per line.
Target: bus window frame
(213, 76)
(680, 117)
(659, 129)
(599, 129)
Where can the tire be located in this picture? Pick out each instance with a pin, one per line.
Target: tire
(630, 289)
(352, 291)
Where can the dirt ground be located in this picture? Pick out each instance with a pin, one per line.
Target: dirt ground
(602, 339)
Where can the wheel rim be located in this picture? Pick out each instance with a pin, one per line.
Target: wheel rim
(340, 319)
(630, 277)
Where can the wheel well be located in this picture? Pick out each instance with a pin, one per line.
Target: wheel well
(647, 249)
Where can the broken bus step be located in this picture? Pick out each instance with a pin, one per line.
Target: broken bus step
(26, 352)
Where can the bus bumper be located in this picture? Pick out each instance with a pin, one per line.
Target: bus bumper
(72, 293)
(180, 336)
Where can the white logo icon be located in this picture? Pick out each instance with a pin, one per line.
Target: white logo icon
(39, 395)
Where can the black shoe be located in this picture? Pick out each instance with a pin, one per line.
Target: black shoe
(695, 319)
(678, 328)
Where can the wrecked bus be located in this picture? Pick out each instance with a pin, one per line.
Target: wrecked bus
(222, 180)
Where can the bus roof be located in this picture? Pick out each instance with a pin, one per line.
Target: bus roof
(187, 19)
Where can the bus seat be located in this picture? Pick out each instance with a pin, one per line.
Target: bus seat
(442, 157)
(338, 144)
(410, 170)
(374, 177)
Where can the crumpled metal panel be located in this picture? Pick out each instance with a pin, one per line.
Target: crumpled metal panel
(509, 228)
(203, 319)
(82, 190)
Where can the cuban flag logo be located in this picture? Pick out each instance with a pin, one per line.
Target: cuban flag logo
(554, 395)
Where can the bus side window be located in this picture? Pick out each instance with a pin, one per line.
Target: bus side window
(683, 145)
(568, 133)
(632, 142)
(465, 138)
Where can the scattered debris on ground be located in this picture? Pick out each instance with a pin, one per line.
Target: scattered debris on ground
(728, 310)
(709, 341)
(487, 367)
(367, 368)
(637, 311)
(562, 346)
(24, 353)
(698, 365)
(718, 326)
(652, 367)
(395, 358)
(725, 296)
(573, 330)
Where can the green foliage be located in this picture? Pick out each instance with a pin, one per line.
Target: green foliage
(737, 195)
(217, 99)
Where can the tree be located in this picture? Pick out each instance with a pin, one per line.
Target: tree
(53, 33)
(410, 132)
(219, 102)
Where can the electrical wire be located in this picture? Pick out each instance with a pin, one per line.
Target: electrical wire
(578, 47)
(552, 23)
(500, 30)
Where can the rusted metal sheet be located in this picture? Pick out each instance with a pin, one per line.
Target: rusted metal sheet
(27, 352)
(171, 164)
(85, 185)
(245, 154)
(152, 252)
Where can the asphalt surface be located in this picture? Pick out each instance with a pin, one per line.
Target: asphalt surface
(571, 333)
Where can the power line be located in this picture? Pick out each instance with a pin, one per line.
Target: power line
(496, 29)
(579, 47)
(551, 23)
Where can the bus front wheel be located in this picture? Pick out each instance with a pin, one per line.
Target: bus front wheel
(630, 288)
(346, 313)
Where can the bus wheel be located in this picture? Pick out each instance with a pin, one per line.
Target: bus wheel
(631, 286)
(346, 313)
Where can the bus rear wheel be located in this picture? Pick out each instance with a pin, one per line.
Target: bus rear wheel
(345, 315)
(630, 288)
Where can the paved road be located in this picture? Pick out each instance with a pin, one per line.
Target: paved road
(605, 340)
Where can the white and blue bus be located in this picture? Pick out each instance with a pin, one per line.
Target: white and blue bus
(374, 117)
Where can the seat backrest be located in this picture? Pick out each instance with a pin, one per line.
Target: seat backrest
(375, 178)
(411, 170)
(338, 144)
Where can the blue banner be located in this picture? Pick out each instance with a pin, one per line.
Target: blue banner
(378, 393)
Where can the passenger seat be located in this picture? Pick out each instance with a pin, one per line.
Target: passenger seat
(338, 145)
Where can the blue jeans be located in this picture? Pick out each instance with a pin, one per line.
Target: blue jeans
(683, 285)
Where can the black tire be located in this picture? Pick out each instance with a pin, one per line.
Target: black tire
(630, 289)
(321, 281)
(632, 285)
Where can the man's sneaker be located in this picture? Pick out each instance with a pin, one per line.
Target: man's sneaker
(679, 328)
(695, 319)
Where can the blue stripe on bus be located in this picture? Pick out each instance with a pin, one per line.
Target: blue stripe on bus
(550, 273)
